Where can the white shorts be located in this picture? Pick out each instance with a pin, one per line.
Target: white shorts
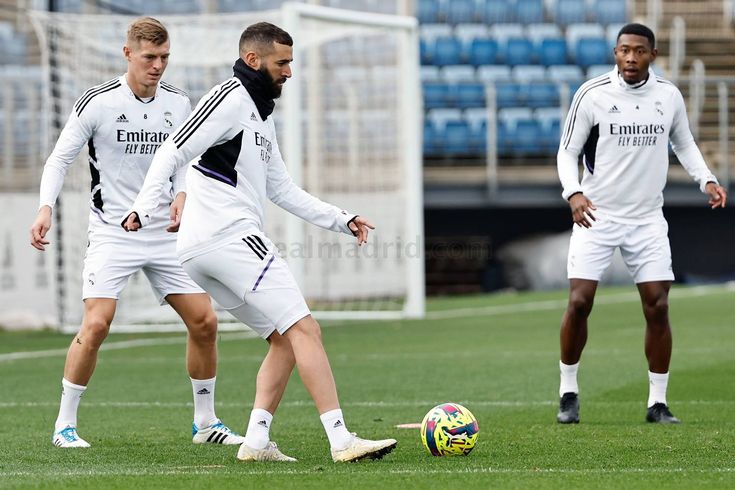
(645, 250)
(251, 281)
(111, 260)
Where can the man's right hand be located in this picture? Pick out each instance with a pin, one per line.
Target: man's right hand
(132, 222)
(581, 210)
(40, 227)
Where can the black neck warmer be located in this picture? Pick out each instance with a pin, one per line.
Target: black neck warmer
(258, 86)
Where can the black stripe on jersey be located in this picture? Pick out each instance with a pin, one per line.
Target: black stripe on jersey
(96, 195)
(219, 161)
(91, 94)
(590, 148)
(260, 241)
(572, 119)
(255, 240)
(663, 80)
(175, 90)
(198, 117)
(89, 91)
(252, 247)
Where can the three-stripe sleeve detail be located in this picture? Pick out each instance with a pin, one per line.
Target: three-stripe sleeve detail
(572, 118)
(203, 112)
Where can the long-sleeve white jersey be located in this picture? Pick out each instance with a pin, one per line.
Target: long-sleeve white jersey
(122, 132)
(239, 169)
(623, 133)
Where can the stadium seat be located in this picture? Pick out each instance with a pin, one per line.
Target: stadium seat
(564, 74)
(497, 12)
(569, 12)
(542, 95)
(459, 11)
(592, 51)
(447, 51)
(577, 31)
(597, 70)
(483, 52)
(470, 95)
(610, 11)
(511, 115)
(526, 139)
(549, 120)
(611, 33)
(429, 74)
(528, 73)
(436, 95)
(553, 52)
(538, 32)
(454, 74)
(426, 52)
(508, 94)
(431, 143)
(456, 138)
(467, 33)
(493, 74)
(428, 11)
(519, 52)
(529, 11)
(504, 32)
(440, 117)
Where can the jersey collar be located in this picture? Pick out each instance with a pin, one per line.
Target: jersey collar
(639, 87)
(129, 91)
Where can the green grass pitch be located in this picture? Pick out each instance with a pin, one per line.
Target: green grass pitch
(497, 355)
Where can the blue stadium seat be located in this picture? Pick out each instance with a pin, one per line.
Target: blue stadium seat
(430, 74)
(503, 139)
(428, 11)
(597, 70)
(436, 95)
(564, 74)
(470, 95)
(493, 73)
(592, 51)
(570, 12)
(426, 52)
(467, 33)
(453, 74)
(553, 52)
(497, 12)
(528, 73)
(550, 136)
(526, 139)
(543, 95)
(529, 11)
(508, 94)
(447, 51)
(456, 138)
(610, 11)
(483, 52)
(432, 141)
(459, 11)
(519, 52)
(478, 138)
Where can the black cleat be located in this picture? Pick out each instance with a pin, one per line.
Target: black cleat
(659, 413)
(568, 409)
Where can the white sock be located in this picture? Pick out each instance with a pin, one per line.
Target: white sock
(568, 376)
(71, 394)
(657, 384)
(259, 426)
(203, 402)
(337, 433)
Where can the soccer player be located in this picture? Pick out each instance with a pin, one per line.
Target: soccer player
(124, 121)
(623, 122)
(222, 246)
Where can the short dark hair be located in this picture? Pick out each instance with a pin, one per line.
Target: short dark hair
(261, 36)
(638, 30)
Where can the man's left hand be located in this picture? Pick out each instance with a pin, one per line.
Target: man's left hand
(360, 227)
(717, 195)
(177, 209)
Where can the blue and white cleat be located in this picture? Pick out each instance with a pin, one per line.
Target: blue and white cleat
(217, 433)
(68, 437)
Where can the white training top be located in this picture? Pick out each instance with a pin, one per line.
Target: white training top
(122, 132)
(624, 133)
(240, 167)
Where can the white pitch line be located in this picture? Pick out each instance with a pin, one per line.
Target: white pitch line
(533, 306)
(359, 404)
(123, 344)
(339, 470)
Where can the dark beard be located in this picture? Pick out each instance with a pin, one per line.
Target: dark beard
(274, 90)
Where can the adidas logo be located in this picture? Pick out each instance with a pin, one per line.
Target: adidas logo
(614, 110)
(122, 119)
(338, 423)
(263, 423)
(253, 117)
(203, 391)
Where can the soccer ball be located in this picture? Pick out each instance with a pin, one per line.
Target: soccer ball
(449, 429)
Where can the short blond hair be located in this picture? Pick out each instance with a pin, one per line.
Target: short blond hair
(147, 29)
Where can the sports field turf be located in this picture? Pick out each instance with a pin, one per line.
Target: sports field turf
(498, 355)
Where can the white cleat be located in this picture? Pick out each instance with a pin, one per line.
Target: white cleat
(269, 453)
(217, 433)
(359, 449)
(68, 437)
